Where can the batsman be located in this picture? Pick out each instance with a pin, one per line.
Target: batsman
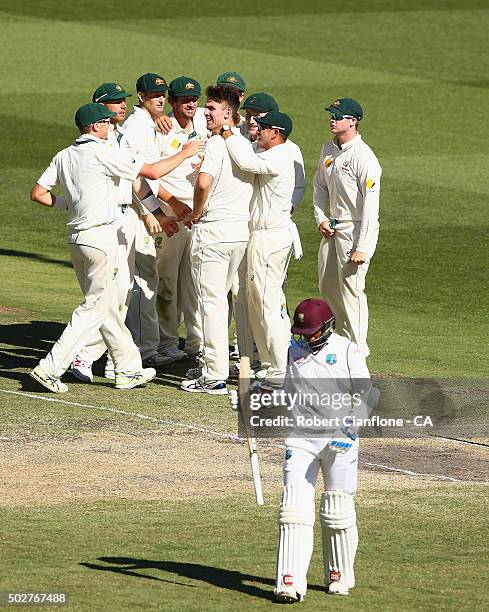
(319, 359)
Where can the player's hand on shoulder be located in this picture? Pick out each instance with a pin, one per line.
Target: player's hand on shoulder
(164, 124)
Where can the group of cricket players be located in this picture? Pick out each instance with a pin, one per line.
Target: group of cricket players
(186, 217)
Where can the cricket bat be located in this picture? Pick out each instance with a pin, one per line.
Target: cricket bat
(244, 401)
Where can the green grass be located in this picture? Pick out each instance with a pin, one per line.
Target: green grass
(220, 555)
(420, 69)
(414, 67)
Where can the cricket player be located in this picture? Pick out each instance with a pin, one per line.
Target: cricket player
(141, 131)
(89, 172)
(235, 82)
(220, 234)
(324, 363)
(346, 209)
(176, 291)
(271, 237)
(129, 218)
(257, 105)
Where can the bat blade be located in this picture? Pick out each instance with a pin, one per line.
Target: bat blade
(244, 400)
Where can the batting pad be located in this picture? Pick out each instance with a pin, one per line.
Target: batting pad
(296, 522)
(340, 536)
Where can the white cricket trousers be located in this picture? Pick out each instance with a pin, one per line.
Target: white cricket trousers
(269, 254)
(342, 284)
(94, 258)
(126, 234)
(142, 319)
(176, 291)
(340, 472)
(215, 262)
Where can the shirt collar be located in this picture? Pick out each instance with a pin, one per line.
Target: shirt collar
(87, 137)
(348, 144)
(177, 128)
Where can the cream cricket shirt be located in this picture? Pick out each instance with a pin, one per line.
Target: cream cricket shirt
(180, 181)
(274, 183)
(89, 172)
(230, 192)
(348, 180)
(142, 137)
(116, 139)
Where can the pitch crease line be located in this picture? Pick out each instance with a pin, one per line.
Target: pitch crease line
(219, 434)
(131, 414)
(410, 473)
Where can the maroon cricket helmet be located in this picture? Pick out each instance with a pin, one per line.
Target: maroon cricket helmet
(310, 316)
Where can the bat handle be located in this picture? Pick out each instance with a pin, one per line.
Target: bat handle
(255, 470)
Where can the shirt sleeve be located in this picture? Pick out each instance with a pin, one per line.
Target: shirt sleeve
(121, 162)
(245, 157)
(213, 157)
(320, 195)
(369, 185)
(49, 178)
(366, 396)
(300, 179)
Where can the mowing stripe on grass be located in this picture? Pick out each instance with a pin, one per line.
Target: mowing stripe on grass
(138, 415)
(220, 434)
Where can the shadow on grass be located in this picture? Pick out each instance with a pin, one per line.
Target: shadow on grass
(35, 257)
(216, 576)
(29, 342)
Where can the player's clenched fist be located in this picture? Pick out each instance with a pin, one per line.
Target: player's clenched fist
(169, 226)
(326, 230)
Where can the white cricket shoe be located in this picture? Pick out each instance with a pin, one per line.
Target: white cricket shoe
(217, 387)
(288, 595)
(174, 353)
(337, 588)
(135, 379)
(109, 371)
(81, 369)
(193, 373)
(50, 382)
(156, 361)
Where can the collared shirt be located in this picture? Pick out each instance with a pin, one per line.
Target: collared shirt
(180, 181)
(143, 137)
(328, 385)
(89, 172)
(274, 182)
(231, 189)
(347, 186)
(300, 174)
(116, 138)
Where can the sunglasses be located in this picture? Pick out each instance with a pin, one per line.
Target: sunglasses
(269, 127)
(340, 117)
(103, 121)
